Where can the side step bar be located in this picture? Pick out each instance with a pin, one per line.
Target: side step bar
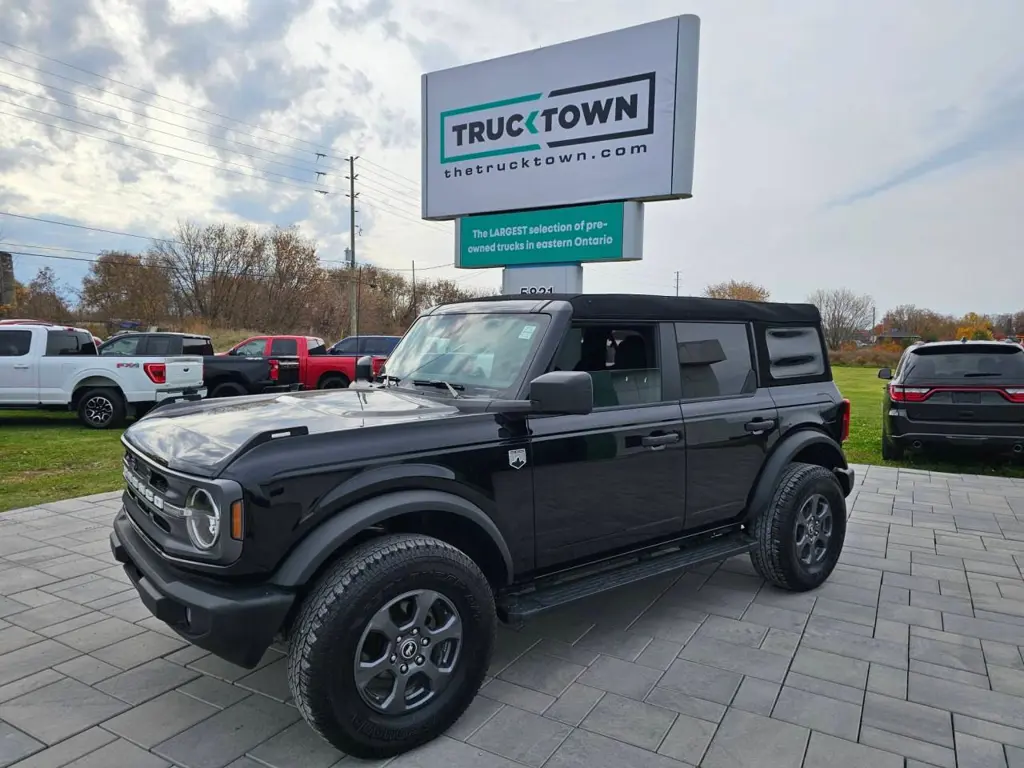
(515, 607)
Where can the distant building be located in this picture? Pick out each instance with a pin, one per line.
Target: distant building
(900, 337)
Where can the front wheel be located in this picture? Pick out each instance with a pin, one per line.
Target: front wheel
(800, 535)
(392, 645)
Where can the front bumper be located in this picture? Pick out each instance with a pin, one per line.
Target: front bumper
(237, 623)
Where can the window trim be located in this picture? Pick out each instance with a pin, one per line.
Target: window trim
(751, 352)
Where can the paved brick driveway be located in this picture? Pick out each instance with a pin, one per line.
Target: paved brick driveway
(910, 655)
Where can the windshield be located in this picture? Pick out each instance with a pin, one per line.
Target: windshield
(967, 362)
(484, 354)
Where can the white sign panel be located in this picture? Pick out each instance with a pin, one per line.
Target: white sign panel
(535, 281)
(600, 119)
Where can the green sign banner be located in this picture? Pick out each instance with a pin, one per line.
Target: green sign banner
(582, 233)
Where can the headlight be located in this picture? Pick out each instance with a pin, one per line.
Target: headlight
(202, 519)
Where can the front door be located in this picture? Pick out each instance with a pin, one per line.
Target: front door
(616, 477)
(730, 422)
(19, 372)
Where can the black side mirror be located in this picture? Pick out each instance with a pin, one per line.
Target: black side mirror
(562, 392)
(885, 373)
(364, 368)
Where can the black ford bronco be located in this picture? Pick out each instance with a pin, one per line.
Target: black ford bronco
(514, 455)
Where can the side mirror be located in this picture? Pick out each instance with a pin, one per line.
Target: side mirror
(364, 368)
(562, 392)
(885, 373)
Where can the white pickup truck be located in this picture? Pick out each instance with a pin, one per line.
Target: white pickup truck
(54, 367)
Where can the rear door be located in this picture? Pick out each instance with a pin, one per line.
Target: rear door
(966, 388)
(730, 421)
(19, 369)
(286, 352)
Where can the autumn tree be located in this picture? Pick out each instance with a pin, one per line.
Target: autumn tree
(843, 314)
(127, 286)
(929, 325)
(44, 298)
(974, 326)
(735, 289)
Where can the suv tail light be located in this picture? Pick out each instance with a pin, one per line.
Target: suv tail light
(157, 372)
(1015, 395)
(901, 394)
(845, 433)
(275, 370)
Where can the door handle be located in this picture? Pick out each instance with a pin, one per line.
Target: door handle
(21, 367)
(655, 441)
(758, 426)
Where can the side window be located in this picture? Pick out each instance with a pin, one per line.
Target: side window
(345, 347)
(794, 352)
(15, 343)
(622, 361)
(69, 343)
(196, 347)
(284, 347)
(252, 348)
(715, 360)
(127, 345)
(376, 345)
(162, 346)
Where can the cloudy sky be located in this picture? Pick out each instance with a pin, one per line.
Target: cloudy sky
(877, 145)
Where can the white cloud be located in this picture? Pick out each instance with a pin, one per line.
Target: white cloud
(801, 106)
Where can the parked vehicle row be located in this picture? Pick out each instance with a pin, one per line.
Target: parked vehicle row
(54, 367)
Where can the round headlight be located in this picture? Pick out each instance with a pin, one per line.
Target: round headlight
(202, 519)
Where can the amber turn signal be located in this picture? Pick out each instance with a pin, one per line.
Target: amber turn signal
(236, 520)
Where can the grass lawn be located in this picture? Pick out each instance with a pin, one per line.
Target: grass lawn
(50, 456)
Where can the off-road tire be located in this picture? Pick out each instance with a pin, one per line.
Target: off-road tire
(891, 451)
(333, 381)
(114, 401)
(331, 621)
(228, 389)
(774, 555)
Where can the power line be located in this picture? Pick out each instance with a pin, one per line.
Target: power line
(174, 101)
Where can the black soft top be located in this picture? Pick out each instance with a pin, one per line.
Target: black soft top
(638, 306)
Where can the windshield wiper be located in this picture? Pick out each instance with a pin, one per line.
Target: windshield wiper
(439, 384)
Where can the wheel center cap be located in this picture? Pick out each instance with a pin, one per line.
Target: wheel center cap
(409, 649)
(813, 528)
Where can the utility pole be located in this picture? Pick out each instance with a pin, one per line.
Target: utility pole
(414, 305)
(353, 288)
(677, 282)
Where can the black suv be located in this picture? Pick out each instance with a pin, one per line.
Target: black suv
(955, 393)
(514, 455)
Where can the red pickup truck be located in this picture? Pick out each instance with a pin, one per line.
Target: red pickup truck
(317, 368)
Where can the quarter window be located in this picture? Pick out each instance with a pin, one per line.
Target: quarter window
(715, 360)
(794, 353)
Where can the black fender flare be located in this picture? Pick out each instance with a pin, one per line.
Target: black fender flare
(782, 456)
(322, 542)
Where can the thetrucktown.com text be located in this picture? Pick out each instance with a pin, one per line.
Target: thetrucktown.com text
(527, 163)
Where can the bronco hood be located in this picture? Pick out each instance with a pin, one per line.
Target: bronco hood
(204, 437)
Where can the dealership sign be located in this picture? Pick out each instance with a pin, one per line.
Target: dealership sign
(600, 119)
(584, 233)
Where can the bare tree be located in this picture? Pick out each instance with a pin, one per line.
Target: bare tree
(843, 314)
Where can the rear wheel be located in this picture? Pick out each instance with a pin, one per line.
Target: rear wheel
(800, 535)
(228, 389)
(334, 381)
(391, 646)
(101, 408)
(891, 451)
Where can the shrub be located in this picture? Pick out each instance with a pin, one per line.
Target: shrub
(882, 356)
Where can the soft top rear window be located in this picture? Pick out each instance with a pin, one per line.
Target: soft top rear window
(967, 361)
